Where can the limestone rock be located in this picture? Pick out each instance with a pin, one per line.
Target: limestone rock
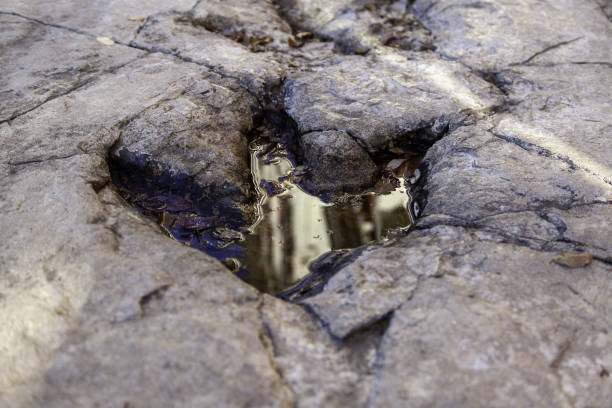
(176, 35)
(412, 99)
(492, 35)
(509, 102)
(40, 63)
(116, 19)
(333, 156)
(255, 22)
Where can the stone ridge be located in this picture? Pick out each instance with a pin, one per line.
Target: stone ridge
(484, 303)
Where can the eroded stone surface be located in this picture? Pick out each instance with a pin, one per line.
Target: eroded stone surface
(254, 23)
(176, 34)
(386, 97)
(489, 35)
(40, 63)
(117, 20)
(332, 155)
(472, 307)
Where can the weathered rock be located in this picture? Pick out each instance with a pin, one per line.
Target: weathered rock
(333, 156)
(256, 23)
(498, 296)
(556, 103)
(492, 35)
(116, 20)
(351, 299)
(503, 326)
(40, 63)
(388, 96)
(325, 372)
(407, 100)
(88, 115)
(358, 26)
(542, 182)
(199, 132)
(311, 15)
(176, 35)
(483, 316)
(108, 280)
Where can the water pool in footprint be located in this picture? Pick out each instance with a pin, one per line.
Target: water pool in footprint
(293, 230)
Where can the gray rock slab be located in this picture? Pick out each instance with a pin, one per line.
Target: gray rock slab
(199, 130)
(333, 156)
(87, 116)
(176, 34)
(352, 299)
(386, 96)
(181, 127)
(499, 327)
(40, 63)
(251, 21)
(356, 27)
(91, 294)
(327, 372)
(498, 296)
(309, 15)
(491, 35)
(557, 104)
(117, 20)
(530, 181)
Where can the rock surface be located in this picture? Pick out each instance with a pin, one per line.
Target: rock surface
(498, 296)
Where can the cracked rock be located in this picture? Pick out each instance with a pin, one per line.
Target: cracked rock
(176, 35)
(334, 156)
(491, 35)
(508, 101)
(41, 63)
(387, 96)
(254, 20)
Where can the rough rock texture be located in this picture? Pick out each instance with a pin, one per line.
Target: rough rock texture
(71, 62)
(333, 155)
(175, 34)
(386, 97)
(485, 301)
(255, 23)
(491, 35)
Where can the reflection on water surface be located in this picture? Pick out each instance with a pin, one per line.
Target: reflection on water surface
(295, 228)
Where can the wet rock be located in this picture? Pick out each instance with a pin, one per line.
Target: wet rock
(199, 132)
(336, 162)
(93, 273)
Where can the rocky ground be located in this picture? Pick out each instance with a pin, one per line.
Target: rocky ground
(499, 296)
